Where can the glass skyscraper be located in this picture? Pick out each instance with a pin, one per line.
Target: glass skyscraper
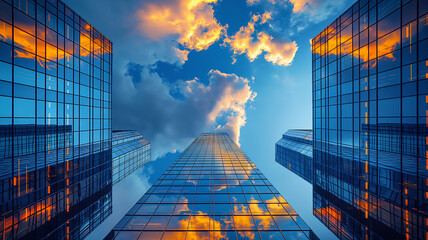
(55, 122)
(294, 152)
(370, 108)
(130, 152)
(212, 191)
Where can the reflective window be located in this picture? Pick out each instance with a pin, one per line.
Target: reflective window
(222, 191)
(40, 122)
(369, 137)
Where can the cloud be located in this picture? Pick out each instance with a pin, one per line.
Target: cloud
(306, 12)
(315, 11)
(302, 5)
(278, 52)
(117, 21)
(192, 21)
(142, 101)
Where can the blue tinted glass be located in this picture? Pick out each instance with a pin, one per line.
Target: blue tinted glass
(5, 71)
(5, 88)
(6, 106)
(5, 51)
(24, 107)
(23, 91)
(24, 76)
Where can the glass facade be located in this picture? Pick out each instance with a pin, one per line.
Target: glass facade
(130, 152)
(55, 122)
(370, 108)
(294, 152)
(212, 191)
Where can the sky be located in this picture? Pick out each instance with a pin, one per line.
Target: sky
(182, 67)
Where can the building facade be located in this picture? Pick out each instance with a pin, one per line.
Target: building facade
(55, 122)
(212, 191)
(130, 152)
(294, 152)
(370, 106)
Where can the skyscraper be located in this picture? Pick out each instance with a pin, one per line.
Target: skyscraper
(55, 122)
(370, 106)
(212, 191)
(294, 152)
(130, 152)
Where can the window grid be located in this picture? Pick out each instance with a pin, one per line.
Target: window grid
(55, 122)
(370, 70)
(212, 191)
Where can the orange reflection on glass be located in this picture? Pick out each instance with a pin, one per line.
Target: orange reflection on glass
(264, 222)
(332, 43)
(276, 208)
(389, 43)
(200, 222)
(97, 46)
(384, 47)
(218, 187)
(5, 32)
(51, 52)
(333, 214)
(346, 47)
(174, 235)
(25, 41)
(244, 223)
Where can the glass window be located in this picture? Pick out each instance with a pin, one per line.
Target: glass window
(137, 223)
(389, 43)
(24, 41)
(286, 223)
(409, 11)
(24, 108)
(149, 236)
(165, 209)
(248, 235)
(23, 91)
(385, 108)
(423, 27)
(389, 23)
(24, 22)
(5, 71)
(272, 235)
(389, 78)
(128, 235)
(147, 209)
(178, 223)
(182, 209)
(157, 223)
(6, 107)
(5, 52)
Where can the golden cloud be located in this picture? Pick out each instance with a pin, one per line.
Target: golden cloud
(278, 52)
(301, 5)
(191, 20)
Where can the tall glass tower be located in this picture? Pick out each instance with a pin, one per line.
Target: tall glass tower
(370, 108)
(130, 152)
(212, 191)
(294, 152)
(55, 122)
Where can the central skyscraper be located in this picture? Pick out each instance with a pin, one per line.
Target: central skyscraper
(212, 191)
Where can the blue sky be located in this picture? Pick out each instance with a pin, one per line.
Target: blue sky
(183, 67)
